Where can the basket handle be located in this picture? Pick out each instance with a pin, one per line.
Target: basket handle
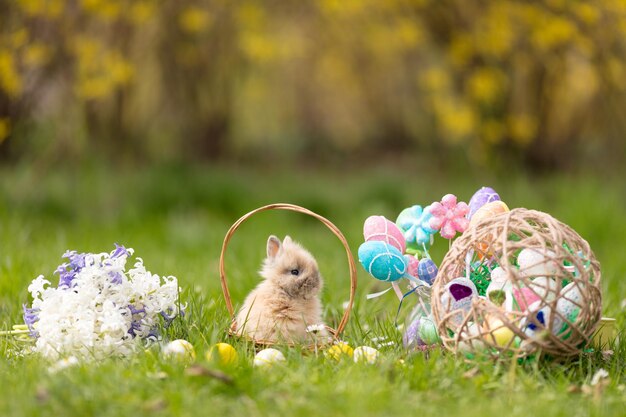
(290, 207)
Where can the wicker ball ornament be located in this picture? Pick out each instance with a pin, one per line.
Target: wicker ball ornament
(516, 284)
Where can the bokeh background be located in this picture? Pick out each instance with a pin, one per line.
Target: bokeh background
(488, 83)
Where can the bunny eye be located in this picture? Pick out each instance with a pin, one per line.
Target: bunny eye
(295, 272)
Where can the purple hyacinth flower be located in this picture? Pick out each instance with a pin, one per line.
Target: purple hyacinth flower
(119, 251)
(116, 277)
(30, 318)
(67, 271)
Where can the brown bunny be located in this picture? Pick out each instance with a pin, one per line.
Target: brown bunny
(287, 300)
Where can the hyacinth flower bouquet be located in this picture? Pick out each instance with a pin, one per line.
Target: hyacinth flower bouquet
(98, 309)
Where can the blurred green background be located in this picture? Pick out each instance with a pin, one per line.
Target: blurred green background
(539, 85)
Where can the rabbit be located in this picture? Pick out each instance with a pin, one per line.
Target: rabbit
(287, 301)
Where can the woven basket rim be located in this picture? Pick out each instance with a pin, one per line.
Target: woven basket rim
(335, 333)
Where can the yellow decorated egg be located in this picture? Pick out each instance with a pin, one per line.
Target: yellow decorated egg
(339, 351)
(223, 354)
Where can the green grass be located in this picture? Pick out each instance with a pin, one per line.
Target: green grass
(176, 217)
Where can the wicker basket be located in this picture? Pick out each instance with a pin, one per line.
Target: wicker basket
(552, 306)
(335, 333)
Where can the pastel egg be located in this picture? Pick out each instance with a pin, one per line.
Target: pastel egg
(457, 296)
(412, 265)
(365, 354)
(339, 351)
(382, 261)
(427, 270)
(568, 306)
(501, 294)
(428, 331)
(410, 338)
(498, 274)
(480, 198)
(539, 318)
(180, 349)
(488, 210)
(497, 333)
(524, 297)
(223, 354)
(268, 357)
(537, 262)
(378, 228)
(544, 287)
(470, 338)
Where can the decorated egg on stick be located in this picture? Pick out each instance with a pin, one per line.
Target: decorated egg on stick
(378, 228)
(481, 197)
(382, 261)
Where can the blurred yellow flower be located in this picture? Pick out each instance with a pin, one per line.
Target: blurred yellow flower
(258, 47)
(586, 12)
(36, 54)
(460, 50)
(492, 131)
(194, 20)
(457, 119)
(5, 128)
(10, 78)
(18, 39)
(552, 31)
(106, 9)
(434, 79)
(250, 16)
(485, 84)
(49, 8)
(141, 11)
(522, 128)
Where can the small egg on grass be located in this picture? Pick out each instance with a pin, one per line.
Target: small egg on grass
(222, 354)
(268, 357)
(365, 354)
(180, 350)
(339, 351)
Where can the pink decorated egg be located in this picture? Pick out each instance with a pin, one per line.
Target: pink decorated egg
(413, 265)
(524, 297)
(378, 228)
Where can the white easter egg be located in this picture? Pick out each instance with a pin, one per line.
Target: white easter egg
(494, 291)
(544, 287)
(458, 297)
(180, 350)
(538, 318)
(568, 306)
(470, 339)
(365, 354)
(268, 357)
(533, 262)
(498, 274)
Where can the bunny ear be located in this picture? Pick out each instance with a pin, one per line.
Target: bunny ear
(273, 246)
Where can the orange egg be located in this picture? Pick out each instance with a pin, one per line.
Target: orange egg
(486, 211)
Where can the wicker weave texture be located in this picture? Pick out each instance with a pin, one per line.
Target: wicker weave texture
(566, 305)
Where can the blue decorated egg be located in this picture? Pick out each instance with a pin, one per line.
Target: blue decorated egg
(480, 198)
(427, 270)
(382, 261)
